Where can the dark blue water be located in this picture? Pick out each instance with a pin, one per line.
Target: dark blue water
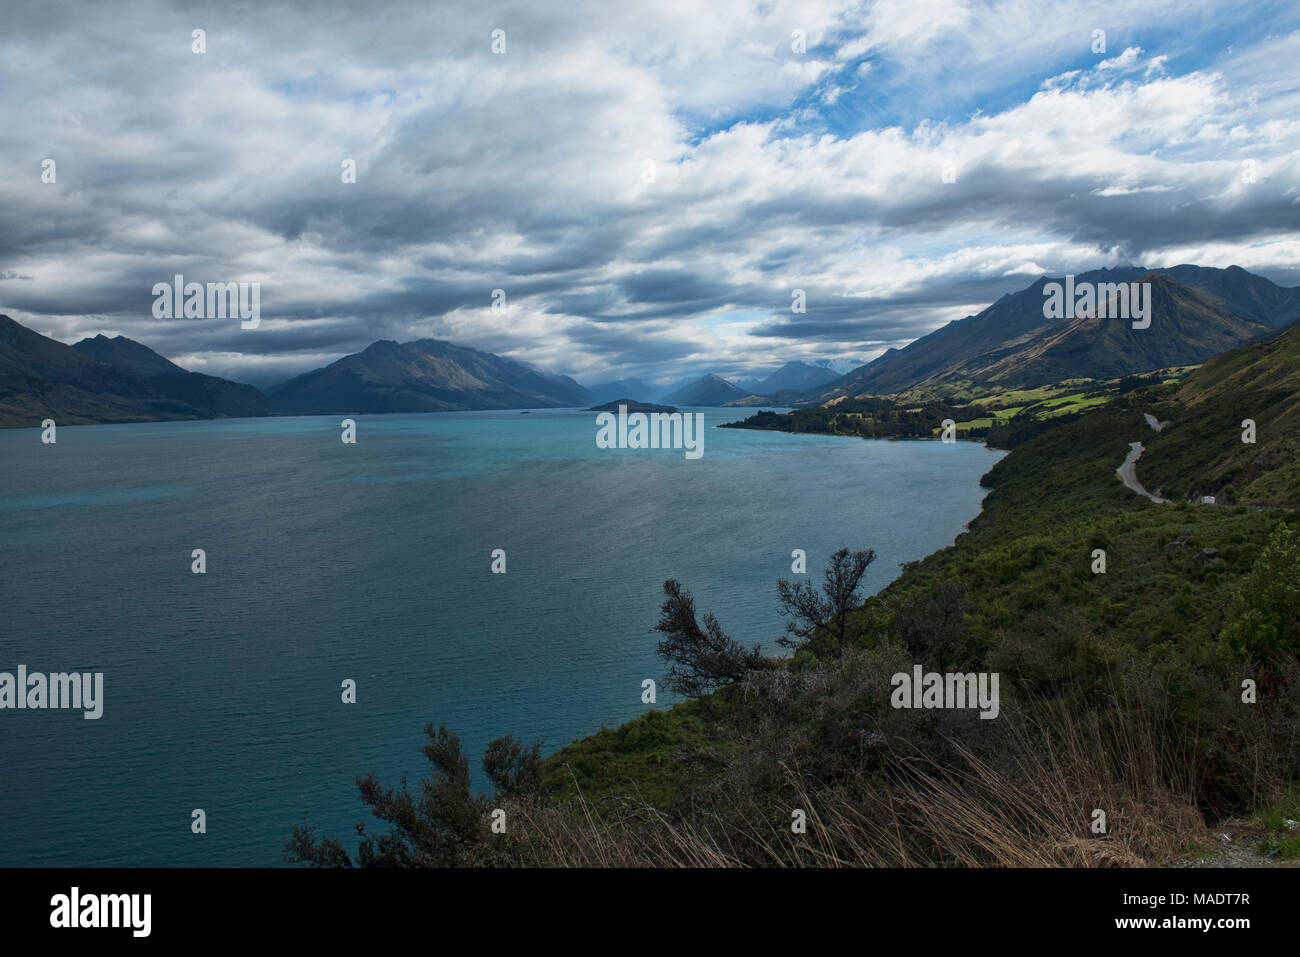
(372, 562)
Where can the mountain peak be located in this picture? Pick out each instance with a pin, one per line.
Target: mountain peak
(425, 375)
(127, 354)
(1225, 306)
(707, 390)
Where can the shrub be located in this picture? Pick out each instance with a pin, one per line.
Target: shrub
(1264, 624)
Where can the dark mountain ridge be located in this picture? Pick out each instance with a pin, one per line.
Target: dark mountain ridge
(427, 375)
(42, 378)
(1232, 305)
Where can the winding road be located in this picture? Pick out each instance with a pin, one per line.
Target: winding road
(1129, 477)
(1127, 472)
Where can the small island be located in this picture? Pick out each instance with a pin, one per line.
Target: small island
(632, 406)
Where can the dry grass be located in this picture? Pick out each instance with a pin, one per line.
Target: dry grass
(1032, 810)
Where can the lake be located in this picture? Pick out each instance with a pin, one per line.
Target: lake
(372, 562)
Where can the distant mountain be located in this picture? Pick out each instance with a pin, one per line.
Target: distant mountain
(985, 342)
(428, 375)
(795, 374)
(43, 378)
(210, 396)
(605, 391)
(839, 365)
(1244, 293)
(707, 390)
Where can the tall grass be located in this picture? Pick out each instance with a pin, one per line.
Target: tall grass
(1031, 806)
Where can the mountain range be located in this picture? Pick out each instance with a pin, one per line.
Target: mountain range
(1196, 313)
(796, 374)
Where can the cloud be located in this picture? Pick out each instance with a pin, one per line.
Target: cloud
(1122, 62)
(646, 182)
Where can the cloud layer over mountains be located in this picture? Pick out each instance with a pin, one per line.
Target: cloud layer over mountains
(528, 170)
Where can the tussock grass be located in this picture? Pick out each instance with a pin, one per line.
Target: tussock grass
(1032, 808)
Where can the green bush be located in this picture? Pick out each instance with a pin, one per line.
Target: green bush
(1264, 624)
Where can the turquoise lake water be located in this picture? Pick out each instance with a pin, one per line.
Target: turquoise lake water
(372, 562)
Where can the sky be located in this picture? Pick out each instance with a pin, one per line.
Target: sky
(647, 183)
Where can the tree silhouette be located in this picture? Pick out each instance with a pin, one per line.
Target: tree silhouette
(700, 660)
(820, 621)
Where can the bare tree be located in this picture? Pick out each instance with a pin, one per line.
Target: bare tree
(821, 619)
(699, 660)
